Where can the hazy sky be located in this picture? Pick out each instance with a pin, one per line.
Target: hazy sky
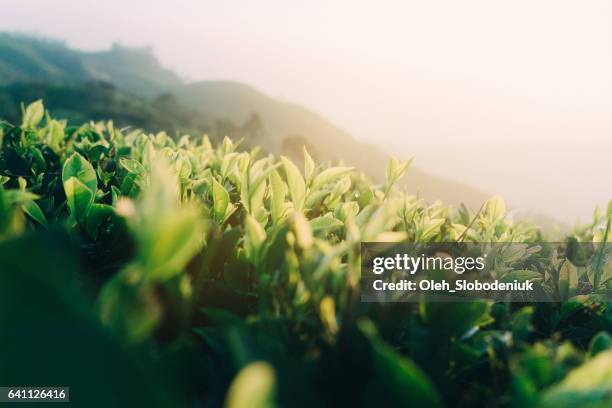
(511, 96)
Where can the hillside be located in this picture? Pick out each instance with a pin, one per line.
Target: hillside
(287, 125)
(27, 59)
(24, 59)
(101, 101)
(69, 81)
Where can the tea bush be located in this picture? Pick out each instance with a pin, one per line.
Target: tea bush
(213, 276)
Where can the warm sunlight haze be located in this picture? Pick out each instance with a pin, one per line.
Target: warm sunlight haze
(513, 98)
(298, 204)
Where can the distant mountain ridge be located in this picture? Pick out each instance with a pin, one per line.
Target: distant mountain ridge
(139, 82)
(28, 59)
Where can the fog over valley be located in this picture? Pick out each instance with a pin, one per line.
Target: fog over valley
(514, 99)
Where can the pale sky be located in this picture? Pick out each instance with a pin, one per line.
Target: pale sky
(514, 97)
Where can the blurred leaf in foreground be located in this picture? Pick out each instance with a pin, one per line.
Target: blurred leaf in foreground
(589, 385)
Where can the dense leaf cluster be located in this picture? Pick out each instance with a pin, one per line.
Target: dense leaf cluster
(221, 276)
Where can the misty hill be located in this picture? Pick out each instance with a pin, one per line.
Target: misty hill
(289, 126)
(129, 86)
(28, 59)
(102, 100)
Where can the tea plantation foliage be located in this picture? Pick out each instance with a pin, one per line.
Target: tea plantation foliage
(142, 269)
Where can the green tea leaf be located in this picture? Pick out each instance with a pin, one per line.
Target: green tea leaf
(34, 211)
(172, 243)
(297, 186)
(586, 386)
(253, 387)
(302, 230)
(255, 236)
(395, 170)
(33, 114)
(76, 166)
(221, 201)
(18, 196)
(601, 342)
(132, 165)
(55, 134)
(325, 223)
(495, 208)
(329, 176)
(403, 380)
(309, 166)
(79, 198)
(278, 192)
(568, 280)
